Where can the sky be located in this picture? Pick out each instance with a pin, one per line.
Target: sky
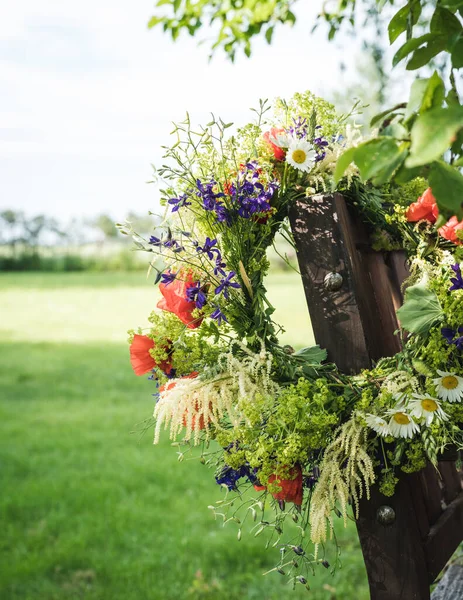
(88, 95)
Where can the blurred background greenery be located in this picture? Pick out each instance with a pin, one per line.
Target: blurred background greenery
(89, 509)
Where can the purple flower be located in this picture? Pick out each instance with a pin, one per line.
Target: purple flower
(219, 316)
(209, 249)
(207, 194)
(452, 338)
(219, 267)
(457, 281)
(155, 241)
(227, 283)
(299, 129)
(179, 202)
(248, 194)
(174, 245)
(168, 277)
(196, 294)
(229, 476)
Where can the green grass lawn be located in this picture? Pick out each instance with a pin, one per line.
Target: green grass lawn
(89, 510)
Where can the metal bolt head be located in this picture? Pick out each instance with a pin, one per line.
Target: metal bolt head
(333, 282)
(385, 515)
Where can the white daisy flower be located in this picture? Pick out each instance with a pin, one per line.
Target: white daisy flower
(281, 139)
(449, 386)
(378, 424)
(301, 155)
(427, 408)
(402, 424)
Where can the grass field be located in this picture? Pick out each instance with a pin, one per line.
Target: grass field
(87, 509)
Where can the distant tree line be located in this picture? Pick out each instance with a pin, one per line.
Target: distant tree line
(42, 243)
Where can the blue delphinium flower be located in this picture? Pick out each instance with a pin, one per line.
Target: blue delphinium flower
(452, 337)
(168, 277)
(248, 194)
(210, 248)
(457, 281)
(196, 294)
(155, 241)
(226, 283)
(229, 476)
(299, 129)
(218, 316)
(179, 202)
(174, 245)
(219, 267)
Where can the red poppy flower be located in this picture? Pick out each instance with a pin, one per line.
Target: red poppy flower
(278, 153)
(141, 359)
(449, 230)
(291, 489)
(175, 301)
(424, 209)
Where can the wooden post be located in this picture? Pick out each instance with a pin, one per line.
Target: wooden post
(352, 294)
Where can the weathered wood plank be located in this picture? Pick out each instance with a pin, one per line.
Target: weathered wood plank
(394, 555)
(431, 490)
(320, 226)
(355, 322)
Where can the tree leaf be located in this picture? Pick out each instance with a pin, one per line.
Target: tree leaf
(399, 21)
(432, 134)
(389, 111)
(409, 46)
(421, 309)
(312, 354)
(343, 162)
(447, 187)
(422, 56)
(457, 54)
(377, 156)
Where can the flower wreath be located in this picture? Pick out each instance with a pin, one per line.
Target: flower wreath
(282, 428)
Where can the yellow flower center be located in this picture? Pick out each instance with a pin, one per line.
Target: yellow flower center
(401, 418)
(429, 405)
(299, 156)
(449, 382)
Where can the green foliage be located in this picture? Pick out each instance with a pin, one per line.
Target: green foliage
(421, 309)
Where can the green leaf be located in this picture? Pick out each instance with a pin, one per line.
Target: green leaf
(343, 162)
(444, 22)
(312, 354)
(389, 111)
(447, 187)
(409, 46)
(154, 21)
(457, 54)
(421, 309)
(377, 157)
(269, 34)
(422, 56)
(452, 4)
(399, 22)
(433, 133)
(416, 98)
(434, 93)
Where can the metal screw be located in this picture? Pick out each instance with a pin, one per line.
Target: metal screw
(333, 282)
(385, 515)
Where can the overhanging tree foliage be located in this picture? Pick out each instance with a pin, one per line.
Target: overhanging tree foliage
(421, 137)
